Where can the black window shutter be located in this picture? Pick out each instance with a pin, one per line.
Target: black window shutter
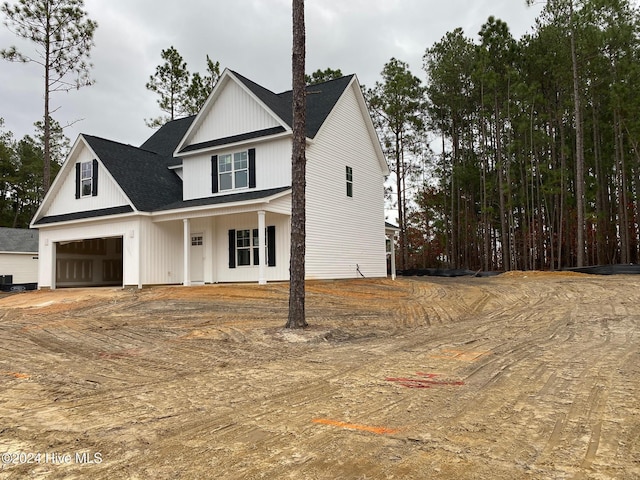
(252, 168)
(271, 246)
(214, 174)
(232, 249)
(256, 249)
(77, 180)
(94, 187)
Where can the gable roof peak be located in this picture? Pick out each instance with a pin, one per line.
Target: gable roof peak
(321, 98)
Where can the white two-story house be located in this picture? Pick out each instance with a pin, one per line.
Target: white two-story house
(207, 198)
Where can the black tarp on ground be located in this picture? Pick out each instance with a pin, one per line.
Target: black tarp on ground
(444, 272)
(628, 269)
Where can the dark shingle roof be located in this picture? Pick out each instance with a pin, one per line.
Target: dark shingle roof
(144, 176)
(18, 240)
(222, 199)
(103, 212)
(321, 98)
(167, 138)
(267, 132)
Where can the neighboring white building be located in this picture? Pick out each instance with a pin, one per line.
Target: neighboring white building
(19, 254)
(208, 198)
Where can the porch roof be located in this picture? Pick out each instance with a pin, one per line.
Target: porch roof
(248, 196)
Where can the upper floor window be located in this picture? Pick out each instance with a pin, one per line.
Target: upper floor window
(87, 179)
(233, 170)
(349, 182)
(86, 169)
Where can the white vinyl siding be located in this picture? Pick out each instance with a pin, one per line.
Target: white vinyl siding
(249, 221)
(233, 171)
(49, 236)
(65, 201)
(22, 266)
(161, 247)
(344, 232)
(273, 169)
(234, 112)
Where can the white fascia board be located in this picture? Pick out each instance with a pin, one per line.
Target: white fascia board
(84, 221)
(225, 78)
(184, 212)
(65, 170)
(244, 143)
(55, 185)
(384, 166)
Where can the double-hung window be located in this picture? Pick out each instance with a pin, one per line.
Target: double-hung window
(243, 247)
(233, 170)
(248, 247)
(86, 178)
(349, 182)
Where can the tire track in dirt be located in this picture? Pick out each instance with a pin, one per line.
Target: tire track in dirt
(213, 390)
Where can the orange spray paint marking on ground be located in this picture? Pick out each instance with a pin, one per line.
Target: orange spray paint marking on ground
(17, 375)
(354, 426)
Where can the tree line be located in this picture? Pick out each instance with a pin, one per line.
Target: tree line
(507, 153)
(519, 154)
(21, 167)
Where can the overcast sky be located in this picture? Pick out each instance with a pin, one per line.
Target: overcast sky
(252, 37)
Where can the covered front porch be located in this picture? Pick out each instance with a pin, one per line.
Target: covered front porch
(243, 242)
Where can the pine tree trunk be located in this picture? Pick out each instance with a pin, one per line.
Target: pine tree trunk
(401, 217)
(298, 174)
(580, 197)
(506, 250)
(46, 171)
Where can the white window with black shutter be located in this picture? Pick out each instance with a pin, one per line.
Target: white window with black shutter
(244, 247)
(87, 179)
(233, 171)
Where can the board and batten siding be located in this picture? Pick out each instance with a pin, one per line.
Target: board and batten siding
(128, 229)
(161, 249)
(65, 201)
(249, 221)
(273, 168)
(342, 231)
(234, 112)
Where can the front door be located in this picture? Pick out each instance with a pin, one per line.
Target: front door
(197, 258)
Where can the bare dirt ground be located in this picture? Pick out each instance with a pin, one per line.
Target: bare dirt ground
(525, 375)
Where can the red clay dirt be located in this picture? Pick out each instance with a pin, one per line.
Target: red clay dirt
(525, 375)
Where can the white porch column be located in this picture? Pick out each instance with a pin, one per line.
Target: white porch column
(262, 268)
(187, 251)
